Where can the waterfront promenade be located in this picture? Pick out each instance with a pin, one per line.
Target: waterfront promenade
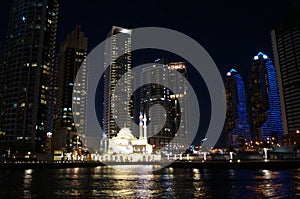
(248, 164)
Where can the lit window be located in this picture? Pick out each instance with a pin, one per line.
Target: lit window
(43, 101)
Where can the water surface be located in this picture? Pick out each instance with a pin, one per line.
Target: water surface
(106, 182)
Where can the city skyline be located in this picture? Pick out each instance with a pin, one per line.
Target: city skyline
(117, 69)
(149, 99)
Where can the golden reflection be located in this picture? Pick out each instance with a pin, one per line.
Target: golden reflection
(75, 170)
(197, 175)
(297, 182)
(27, 183)
(199, 186)
(138, 169)
(145, 185)
(75, 183)
(265, 186)
(169, 173)
(132, 182)
(297, 174)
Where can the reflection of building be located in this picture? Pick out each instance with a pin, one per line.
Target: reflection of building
(237, 128)
(70, 99)
(117, 63)
(172, 100)
(25, 80)
(286, 48)
(265, 99)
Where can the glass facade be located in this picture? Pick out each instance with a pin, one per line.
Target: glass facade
(286, 49)
(237, 128)
(266, 114)
(26, 77)
(70, 98)
(117, 63)
(173, 103)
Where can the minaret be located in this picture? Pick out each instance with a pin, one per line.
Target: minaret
(145, 126)
(141, 125)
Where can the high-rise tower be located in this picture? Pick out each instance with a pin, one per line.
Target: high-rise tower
(237, 128)
(286, 49)
(70, 99)
(26, 76)
(266, 115)
(117, 63)
(173, 101)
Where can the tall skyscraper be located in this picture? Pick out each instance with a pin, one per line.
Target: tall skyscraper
(117, 63)
(26, 77)
(266, 115)
(173, 101)
(70, 99)
(237, 128)
(286, 49)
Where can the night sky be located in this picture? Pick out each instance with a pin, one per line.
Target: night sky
(231, 31)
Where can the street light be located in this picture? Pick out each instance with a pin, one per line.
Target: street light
(205, 153)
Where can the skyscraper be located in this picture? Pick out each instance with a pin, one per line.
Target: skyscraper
(173, 101)
(26, 77)
(286, 49)
(266, 116)
(117, 63)
(72, 56)
(237, 128)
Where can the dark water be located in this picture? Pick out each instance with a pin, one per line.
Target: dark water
(105, 182)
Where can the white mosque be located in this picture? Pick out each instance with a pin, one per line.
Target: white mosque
(124, 147)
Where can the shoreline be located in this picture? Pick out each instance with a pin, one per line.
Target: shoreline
(246, 164)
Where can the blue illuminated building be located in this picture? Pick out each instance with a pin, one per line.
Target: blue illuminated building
(237, 128)
(266, 115)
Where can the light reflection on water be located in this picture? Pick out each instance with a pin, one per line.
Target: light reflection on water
(106, 182)
(27, 183)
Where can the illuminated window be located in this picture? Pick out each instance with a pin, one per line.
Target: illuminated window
(43, 101)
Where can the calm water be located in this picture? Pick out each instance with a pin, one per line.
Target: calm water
(105, 182)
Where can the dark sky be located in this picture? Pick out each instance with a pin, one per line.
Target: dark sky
(231, 31)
